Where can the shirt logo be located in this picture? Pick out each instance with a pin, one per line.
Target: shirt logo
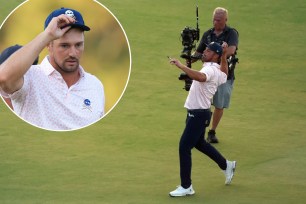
(190, 115)
(87, 104)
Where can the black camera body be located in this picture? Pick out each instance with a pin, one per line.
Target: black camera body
(187, 79)
(189, 37)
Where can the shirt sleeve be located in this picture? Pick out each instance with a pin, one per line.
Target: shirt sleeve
(99, 93)
(17, 94)
(233, 38)
(208, 71)
(20, 95)
(222, 78)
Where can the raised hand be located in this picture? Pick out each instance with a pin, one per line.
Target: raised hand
(58, 26)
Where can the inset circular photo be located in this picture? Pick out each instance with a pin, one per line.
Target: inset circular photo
(64, 65)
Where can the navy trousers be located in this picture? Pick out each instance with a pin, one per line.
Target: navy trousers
(193, 136)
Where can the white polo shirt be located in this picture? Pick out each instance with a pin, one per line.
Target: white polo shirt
(46, 101)
(201, 93)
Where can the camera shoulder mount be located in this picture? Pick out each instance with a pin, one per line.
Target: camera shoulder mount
(189, 37)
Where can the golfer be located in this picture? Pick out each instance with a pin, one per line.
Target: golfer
(198, 102)
(57, 94)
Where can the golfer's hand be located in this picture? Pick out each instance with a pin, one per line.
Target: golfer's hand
(176, 63)
(56, 27)
(224, 48)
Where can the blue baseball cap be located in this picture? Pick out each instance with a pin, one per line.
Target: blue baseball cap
(79, 22)
(216, 47)
(9, 51)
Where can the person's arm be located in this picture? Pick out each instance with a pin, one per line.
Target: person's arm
(232, 42)
(13, 69)
(223, 63)
(193, 74)
(231, 51)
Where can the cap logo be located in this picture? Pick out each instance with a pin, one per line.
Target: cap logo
(70, 14)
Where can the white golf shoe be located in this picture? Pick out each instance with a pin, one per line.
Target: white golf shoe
(229, 172)
(180, 191)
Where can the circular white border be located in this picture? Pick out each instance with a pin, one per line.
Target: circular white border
(128, 78)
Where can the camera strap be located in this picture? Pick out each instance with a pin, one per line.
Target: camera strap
(210, 36)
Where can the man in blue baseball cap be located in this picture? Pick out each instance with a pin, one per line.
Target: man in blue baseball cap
(57, 94)
(205, 83)
(79, 22)
(216, 47)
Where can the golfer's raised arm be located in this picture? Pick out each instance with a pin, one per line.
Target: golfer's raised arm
(13, 69)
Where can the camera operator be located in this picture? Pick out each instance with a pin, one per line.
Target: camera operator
(220, 33)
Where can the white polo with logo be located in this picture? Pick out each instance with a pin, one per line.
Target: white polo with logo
(46, 101)
(201, 93)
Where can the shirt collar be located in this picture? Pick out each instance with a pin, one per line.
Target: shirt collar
(226, 28)
(214, 64)
(47, 68)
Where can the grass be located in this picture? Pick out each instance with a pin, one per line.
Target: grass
(131, 155)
